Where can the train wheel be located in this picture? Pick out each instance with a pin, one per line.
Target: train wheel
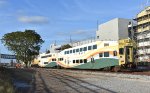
(115, 68)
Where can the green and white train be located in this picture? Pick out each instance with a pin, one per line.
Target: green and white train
(95, 55)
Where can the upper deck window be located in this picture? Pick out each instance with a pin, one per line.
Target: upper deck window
(77, 50)
(94, 46)
(70, 51)
(74, 51)
(81, 49)
(85, 49)
(89, 47)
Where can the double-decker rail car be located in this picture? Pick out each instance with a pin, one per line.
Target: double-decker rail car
(46, 60)
(98, 55)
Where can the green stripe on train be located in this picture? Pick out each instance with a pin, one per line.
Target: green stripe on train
(99, 63)
(51, 64)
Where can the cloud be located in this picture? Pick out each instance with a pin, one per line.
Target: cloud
(33, 19)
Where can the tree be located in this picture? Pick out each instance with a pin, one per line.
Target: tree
(25, 45)
(47, 51)
(65, 46)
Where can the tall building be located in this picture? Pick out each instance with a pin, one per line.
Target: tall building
(143, 35)
(115, 29)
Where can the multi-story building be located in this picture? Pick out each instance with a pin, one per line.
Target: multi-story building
(143, 35)
(115, 29)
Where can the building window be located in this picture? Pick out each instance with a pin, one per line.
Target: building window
(89, 47)
(115, 53)
(100, 54)
(106, 54)
(94, 46)
(97, 37)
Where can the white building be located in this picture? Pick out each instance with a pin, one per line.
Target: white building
(114, 29)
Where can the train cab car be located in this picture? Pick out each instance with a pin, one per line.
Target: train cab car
(127, 48)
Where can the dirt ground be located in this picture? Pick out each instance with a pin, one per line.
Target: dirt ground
(41, 80)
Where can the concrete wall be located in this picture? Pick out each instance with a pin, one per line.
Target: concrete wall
(113, 30)
(123, 28)
(108, 30)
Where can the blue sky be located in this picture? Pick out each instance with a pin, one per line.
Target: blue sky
(58, 19)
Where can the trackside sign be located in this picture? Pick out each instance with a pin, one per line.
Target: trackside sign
(7, 56)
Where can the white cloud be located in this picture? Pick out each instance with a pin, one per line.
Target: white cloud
(33, 19)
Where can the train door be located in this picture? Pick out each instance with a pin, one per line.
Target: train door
(128, 54)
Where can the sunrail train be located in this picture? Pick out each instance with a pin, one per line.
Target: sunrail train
(95, 55)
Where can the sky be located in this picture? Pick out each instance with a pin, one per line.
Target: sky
(58, 20)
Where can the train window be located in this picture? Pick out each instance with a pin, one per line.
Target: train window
(106, 54)
(53, 59)
(62, 59)
(121, 51)
(81, 61)
(74, 61)
(74, 51)
(80, 49)
(94, 46)
(92, 59)
(65, 52)
(128, 51)
(85, 49)
(77, 50)
(115, 53)
(106, 44)
(89, 47)
(70, 51)
(85, 60)
(100, 54)
(45, 62)
(49, 55)
(77, 61)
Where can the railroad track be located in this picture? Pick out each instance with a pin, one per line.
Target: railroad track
(123, 71)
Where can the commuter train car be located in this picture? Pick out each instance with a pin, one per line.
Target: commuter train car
(46, 60)
(98, 55)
